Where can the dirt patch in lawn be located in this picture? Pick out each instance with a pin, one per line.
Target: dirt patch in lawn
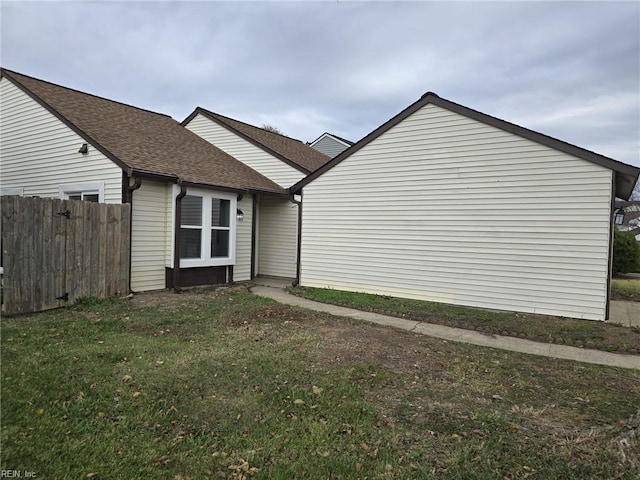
(170, 300)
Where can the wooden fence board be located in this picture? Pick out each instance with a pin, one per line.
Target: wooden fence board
(45, 254)
(57, 255)
(125, 248)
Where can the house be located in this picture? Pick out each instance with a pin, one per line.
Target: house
(631, 219)
(192, 204)
(280, 158)
(440, 203)
(330, 144)
(444, 203)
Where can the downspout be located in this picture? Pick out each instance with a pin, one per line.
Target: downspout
(128, 198)
(176, 236)
(230, 267)
(611, 235)
(299, 204)
(254, 224)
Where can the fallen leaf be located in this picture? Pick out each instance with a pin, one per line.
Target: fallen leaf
(102, 414)
(298, 401)
(39, 411)
(316, 390)
(127, 378)
(91, 474)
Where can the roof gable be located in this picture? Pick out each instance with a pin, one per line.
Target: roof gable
(289, 150)
(626, 175)
(341, 140)
(140, 141)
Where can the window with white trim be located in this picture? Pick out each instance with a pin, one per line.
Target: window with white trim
(88, 192)
(207, 228)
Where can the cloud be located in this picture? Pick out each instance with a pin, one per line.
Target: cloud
(570, 69)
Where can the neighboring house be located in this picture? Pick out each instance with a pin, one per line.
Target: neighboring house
(631, 221)
(444, 203)
(280, 158)
(192, 203)
(329, 144)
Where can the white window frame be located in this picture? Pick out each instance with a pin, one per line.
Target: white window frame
(82, 189)
(206, 260)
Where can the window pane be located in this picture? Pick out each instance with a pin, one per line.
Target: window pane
(91, 197)
(75, 196)
(219, 243)
(191, 211)
(190, 242)
(220, 212)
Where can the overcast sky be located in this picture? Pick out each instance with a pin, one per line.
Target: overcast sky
(570, 70)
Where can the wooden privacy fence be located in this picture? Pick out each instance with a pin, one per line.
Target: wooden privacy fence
(56, 251)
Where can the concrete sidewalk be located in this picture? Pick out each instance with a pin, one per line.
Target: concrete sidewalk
(624, 313)
(273, 289)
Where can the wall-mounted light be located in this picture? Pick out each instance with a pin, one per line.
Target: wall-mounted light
(239, 215)
(618, 216)
(84, 148)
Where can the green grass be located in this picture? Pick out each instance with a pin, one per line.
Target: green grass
(625, 289)
(581, 333)
(228, 385)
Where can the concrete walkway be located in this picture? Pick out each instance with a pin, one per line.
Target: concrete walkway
(625, 313)
(274, 289)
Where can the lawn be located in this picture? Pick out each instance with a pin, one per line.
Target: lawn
(224, 384)
(543, 328)
(625, 289)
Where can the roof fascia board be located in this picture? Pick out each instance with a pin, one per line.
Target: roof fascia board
(68, 123)
(254, 142)
(534, 136)
(175, 178)
(246, 190)
(431, 97)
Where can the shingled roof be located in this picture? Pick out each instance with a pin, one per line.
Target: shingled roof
(143, 142)
(291, 151)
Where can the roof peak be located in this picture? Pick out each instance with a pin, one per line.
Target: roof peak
(249, 124)
(429, 94)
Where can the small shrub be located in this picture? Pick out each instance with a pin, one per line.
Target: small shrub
(626, 252)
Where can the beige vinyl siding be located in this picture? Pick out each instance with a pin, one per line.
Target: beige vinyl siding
(236, 146)
(278, 233)
(444, 208)
(242, 269)
(150, 236)
(38, 152)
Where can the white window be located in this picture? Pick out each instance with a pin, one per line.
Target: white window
(207, 228)
(89, 192)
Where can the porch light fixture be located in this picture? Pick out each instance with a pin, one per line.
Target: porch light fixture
(84, 148)
(239, 215)
(618, 216)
